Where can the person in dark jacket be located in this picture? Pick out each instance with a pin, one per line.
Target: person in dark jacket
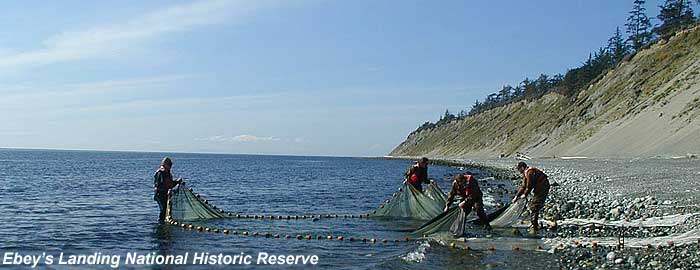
(467, 188)
(417, 174)
(535, 181)
(162, 183)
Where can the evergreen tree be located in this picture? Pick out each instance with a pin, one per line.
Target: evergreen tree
(638, 26)
(557, 79)
(462, 114)
(529, 89)
(506, 93)
(448, 116)
(617, 46)
(542, 84)
(518, 91)
(674, 15)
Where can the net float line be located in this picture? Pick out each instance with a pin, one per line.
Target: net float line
(288, 236)
(273, 217)
(200, 228)
(169, 219)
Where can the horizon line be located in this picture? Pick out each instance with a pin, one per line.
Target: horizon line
(176, 152)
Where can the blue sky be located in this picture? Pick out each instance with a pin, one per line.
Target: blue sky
(345, 78)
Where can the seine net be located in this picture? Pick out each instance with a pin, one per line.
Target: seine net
(456, 220)
(408, 202)
(185, 206)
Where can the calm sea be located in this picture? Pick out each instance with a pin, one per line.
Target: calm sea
(82, 202)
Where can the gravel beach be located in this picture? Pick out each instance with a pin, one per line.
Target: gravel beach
(598, 202)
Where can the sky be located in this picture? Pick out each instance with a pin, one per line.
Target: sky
(338, 78)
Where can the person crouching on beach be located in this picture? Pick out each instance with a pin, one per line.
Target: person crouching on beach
(467, 188)
(417, 174)
(536, 181)
(162, 183)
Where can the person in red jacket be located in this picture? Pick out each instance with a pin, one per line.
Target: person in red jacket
(417, 174)
(467, 188)
(162, 183)
(535, 181)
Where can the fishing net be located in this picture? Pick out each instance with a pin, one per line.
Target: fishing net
(186, 206)
(452, 221)
(511, 215)
(456, 220)
(408, 202)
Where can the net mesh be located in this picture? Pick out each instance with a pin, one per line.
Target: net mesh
(511, 215)
(408, 202)
(185, 206)
(455, 220)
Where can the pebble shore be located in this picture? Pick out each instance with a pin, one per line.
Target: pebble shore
(577, 197)
(603, 198)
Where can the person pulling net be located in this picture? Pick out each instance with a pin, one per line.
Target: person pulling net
(412, 201)
(454, 218)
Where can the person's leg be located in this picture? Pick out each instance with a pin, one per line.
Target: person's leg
(479, 208)
(162, 204)
(536, 204)
(468, 205)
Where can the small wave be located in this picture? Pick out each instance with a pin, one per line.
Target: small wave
(418, 255)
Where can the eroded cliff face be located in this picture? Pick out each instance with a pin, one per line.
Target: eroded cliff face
(647, 106)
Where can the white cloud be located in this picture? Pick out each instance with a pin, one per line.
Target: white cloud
(29, 91)
(111, 40)
(239, 138)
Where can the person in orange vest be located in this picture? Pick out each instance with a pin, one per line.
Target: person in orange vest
(535, 181)
(162, 183)
(417, 174)
(467, 188)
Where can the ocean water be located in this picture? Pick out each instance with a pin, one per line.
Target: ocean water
(82, 202)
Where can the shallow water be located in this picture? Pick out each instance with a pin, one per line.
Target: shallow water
(81, 202)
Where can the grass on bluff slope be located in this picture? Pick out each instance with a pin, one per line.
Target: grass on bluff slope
(648, 79)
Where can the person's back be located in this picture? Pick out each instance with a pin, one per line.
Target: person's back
(466, 186)
(537, 180)
(162, 180)
(417, 174)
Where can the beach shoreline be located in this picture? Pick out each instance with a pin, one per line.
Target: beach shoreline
(590, 211)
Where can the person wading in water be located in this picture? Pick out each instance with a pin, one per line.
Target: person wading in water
(467, 188)
(536, 181)
(162, 183)
(417, 174)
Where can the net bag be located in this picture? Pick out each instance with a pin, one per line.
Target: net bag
(408, 202)
(456, 220)
(185, 206)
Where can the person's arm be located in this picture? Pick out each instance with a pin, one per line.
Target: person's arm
(157, 181)
(523, 185)
(425, 179)
(521, 189)
(530, 182)
(407, 174)
(450, 197)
